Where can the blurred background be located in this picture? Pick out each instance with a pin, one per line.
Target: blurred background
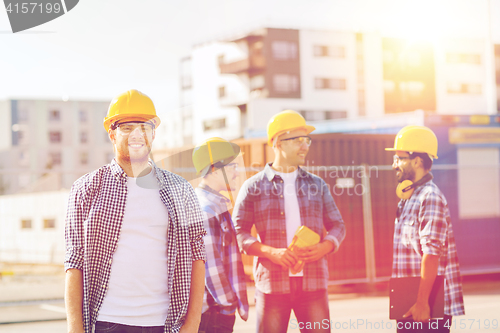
(357, 70)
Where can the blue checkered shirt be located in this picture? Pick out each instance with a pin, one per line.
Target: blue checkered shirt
(224, 273)
(261, 203)
(424, 227)
(93, 221)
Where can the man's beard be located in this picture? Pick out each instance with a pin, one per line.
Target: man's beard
(406, 174)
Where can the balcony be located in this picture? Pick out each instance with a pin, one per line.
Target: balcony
(250, 66)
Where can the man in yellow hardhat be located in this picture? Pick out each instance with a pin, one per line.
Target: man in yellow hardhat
(424, 244)
(279, 200)
(134, 236)
(225, 285)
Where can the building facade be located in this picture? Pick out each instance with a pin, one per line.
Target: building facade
(231, 88)
(46, 145)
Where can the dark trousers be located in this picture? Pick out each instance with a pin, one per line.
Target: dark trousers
(212, 321)
(105, 327)
(310, 308)
(434, 326)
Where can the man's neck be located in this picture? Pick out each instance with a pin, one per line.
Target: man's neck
(281, 166)
(134, 168)
(419, 174)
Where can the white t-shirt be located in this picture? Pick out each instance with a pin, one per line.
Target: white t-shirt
(137, 292)
(292, 209)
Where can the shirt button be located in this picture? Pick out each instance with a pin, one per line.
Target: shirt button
(116, 238)
(103, 286)
(110, 261)
(281, 196)
(282, 213)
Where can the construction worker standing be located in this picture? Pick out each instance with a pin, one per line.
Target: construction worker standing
(424, 244)
(225, 285)
(279, 200)
(134, 236)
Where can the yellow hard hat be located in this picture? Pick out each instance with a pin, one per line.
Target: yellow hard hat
(133, 106)
(214, 151)
(286, 121)
(416, 139)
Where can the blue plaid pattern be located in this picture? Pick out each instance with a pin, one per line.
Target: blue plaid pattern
(225, 276)
(261, 203)
(93, 220)
(424, 227)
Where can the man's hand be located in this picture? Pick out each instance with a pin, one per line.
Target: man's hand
(314, 252)
(420, 311)
(283, 257)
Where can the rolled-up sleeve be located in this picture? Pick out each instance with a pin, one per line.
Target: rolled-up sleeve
(73, 230)
(243, 218)
(433, 224)
(332, 220)
(195, 224)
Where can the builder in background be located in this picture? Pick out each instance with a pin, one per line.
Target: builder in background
(424, 244)
(225, 285)
(278, 200)
(134, 236)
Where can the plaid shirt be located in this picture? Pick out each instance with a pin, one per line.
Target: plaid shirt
(225, 276)
(424, 227)
(261, 202)
(93, 221)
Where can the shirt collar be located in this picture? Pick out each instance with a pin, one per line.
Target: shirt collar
(271, 173)
(118, 172)
(214, 194)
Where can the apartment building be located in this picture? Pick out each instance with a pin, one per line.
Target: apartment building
(46, 145)
(231, 88)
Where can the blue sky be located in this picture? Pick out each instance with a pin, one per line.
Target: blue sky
(104, 47)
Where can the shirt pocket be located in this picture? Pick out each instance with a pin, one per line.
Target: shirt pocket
(408, 232)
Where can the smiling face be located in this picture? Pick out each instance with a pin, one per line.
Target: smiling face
(402, 164)
(292, 151)
(132, 141)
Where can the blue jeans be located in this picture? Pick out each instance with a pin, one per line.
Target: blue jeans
(310, 308)
(212, 321)
(105, 327)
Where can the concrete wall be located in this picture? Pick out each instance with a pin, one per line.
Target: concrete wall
(36, 244)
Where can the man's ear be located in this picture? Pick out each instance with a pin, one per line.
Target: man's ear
(111, 136)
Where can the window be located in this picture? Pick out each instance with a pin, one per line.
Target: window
(26, 224)
(284, 50)
(214, 124)
(477, 175)
(55, 158)
(325, 83)
(335, 114)
(82, 115)
(222, 91)
(84, 157)
(55, 115)
(464, 88)
(257, 82)
(412, 88)
(49, 223)
(285, 83)
(329, 51)
(55, 137)
(83, 137)
(320, 51)
(463, 58)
